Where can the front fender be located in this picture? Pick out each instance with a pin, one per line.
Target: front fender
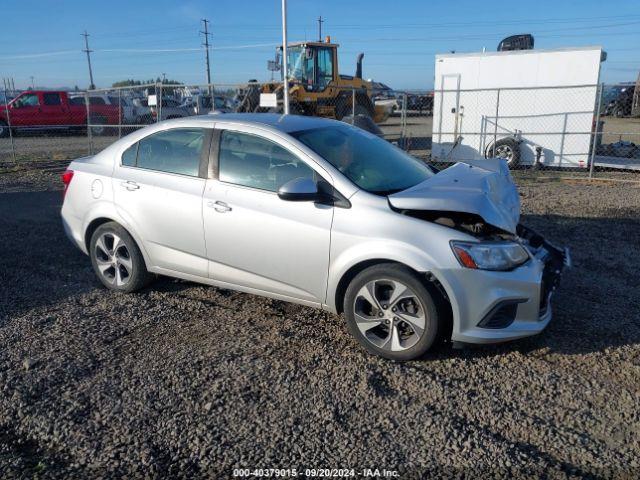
(386, 250)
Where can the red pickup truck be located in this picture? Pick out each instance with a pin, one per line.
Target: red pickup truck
(48, 110)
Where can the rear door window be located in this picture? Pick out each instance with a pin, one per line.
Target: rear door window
(173, 151)
(51, 98)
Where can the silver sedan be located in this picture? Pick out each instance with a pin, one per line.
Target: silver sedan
(320, 213)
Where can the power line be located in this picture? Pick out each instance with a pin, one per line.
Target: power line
(206, 46)
(441, 24)
(88, 52)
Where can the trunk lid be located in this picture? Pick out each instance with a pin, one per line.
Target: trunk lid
(481, 187)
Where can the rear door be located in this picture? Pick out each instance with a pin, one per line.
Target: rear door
(54, 112)
(158, 186)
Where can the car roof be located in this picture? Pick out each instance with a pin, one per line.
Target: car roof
(284, 123)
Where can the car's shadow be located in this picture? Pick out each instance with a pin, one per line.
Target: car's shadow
(597, 306)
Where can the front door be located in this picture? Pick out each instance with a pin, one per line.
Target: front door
(253, 238)
(25, 111)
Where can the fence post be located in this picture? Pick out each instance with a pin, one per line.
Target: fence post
(353, 106)
(403, 117)
(595, 131)
(6, 106)
(495, 125)
(89, 138)
(119, 113)
(159, 100)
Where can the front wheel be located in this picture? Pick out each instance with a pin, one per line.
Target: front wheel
(117, 260)
(391, 313)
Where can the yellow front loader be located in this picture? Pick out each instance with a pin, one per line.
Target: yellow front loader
(315, 86)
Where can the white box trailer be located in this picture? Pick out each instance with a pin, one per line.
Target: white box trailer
(543, 100)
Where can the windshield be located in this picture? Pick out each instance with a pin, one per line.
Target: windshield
(370, 162)
(298, 65)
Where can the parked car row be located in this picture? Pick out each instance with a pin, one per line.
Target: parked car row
(618, 101)
(393, 100)
(48, 110)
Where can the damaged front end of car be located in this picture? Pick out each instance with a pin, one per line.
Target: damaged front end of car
(482, 201)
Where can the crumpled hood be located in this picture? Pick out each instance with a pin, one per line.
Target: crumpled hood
(482, 187)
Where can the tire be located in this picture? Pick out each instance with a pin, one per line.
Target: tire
(122, 270)
(358, 110)
(383, 330)
(4, 129)
(507, 149)
(96, 125)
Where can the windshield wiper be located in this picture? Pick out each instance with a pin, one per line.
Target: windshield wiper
(387, 192)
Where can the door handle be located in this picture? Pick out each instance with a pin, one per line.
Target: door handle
(129, 185)
(219, 206)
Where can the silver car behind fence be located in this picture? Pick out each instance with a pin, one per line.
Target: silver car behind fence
(320, 213)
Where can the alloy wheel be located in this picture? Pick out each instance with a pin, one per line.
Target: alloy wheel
(113, 259)
(389, 315)
(505, 152)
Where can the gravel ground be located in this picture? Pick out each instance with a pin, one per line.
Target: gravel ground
(188, 381)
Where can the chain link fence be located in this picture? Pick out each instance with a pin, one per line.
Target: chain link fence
(570, 130)
(581, 130)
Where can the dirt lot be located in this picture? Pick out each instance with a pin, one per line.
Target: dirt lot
(188, 381)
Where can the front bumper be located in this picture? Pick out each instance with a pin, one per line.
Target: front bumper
(492, 307)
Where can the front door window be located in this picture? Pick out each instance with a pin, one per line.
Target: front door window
(28, 100)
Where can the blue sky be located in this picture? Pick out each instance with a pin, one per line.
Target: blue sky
(42, 38)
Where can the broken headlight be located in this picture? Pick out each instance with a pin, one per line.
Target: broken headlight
(489, 255)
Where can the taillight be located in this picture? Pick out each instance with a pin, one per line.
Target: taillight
(67, 176)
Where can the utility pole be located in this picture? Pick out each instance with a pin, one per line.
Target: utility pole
(285, 73)
(320, 22)
(164, 77)
(88, 52)
(206, 46)
(32, 82)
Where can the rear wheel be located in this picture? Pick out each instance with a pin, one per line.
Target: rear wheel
(391, 313)
(117, 260)
(97, 123)
(4, 129)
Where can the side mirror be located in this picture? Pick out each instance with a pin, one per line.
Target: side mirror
(299, 190)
